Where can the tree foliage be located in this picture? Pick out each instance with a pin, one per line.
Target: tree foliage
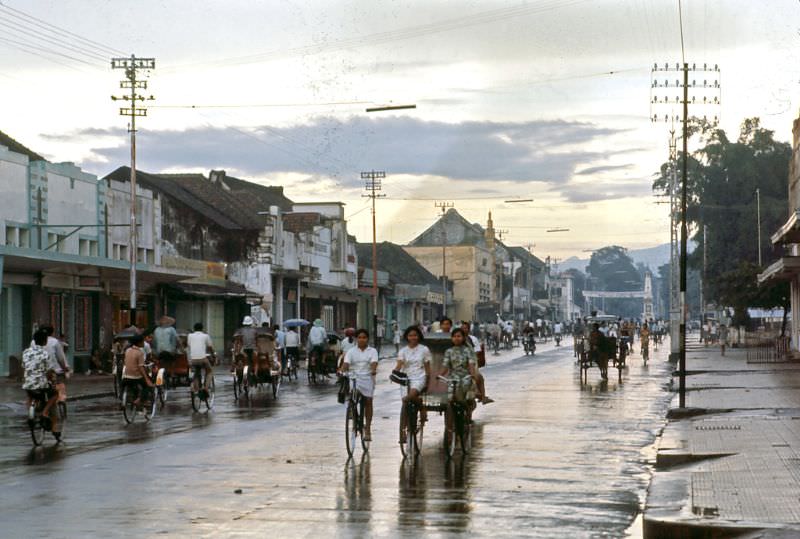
(612, 269)
(723, 176)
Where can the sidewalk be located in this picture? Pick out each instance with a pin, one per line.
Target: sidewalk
(79, 386)
(730, 463)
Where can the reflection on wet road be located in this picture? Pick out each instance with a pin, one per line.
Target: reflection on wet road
(551, 458)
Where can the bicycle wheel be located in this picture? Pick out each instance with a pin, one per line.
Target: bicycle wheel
(361, 419)
(128, 408)
(414, 430)
(210, 394)
(162, 396)
(61, 408)
(36, 427)
(449, 433)
(464, 432)
(116, 382)
(350, 428)
(195, 399)
(405, 446)
(245, 386)
(276, 385)
(312, 373)
(237, 388)
(149, 411)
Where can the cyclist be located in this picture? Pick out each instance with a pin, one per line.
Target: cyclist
(557, 329)
(414, 360)
(473, 342)
(200, 346)
(363, 360)
(246, 343)
(280, 346)
(460, 362)
(348, 342)
(58, 362)
(134, 373)
(644, 339)
(317, 338)
(38, 377)
(292, 342)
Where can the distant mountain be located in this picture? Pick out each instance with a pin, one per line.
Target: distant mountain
(652, 257)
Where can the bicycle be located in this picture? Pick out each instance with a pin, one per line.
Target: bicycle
(456, 418)
(411, 420)
(201, 394)
(645, 354)
(39, 424)
(129, 407)
(354, 419)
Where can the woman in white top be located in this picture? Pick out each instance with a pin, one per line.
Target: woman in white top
(363, 361)
(414, 359)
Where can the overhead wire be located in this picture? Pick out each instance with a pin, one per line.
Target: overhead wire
(52, 28)
(378, 38)
(32, 51)
(50, 41)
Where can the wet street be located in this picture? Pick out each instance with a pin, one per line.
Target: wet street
(551, 458)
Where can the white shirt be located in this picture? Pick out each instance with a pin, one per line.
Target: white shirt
(360, 361)
(557, 328)
(292, 339)
(317, 335)
(347, 345)
(414, 360)
(198, 343)
(476, 343)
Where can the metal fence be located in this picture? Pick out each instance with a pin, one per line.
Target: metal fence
(765, 349)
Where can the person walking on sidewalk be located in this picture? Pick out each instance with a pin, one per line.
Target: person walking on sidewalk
(723, 338)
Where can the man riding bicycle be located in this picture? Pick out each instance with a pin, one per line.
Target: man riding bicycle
(644, 338)
(57, 362)
(317, 340)
(200, 347)
(245, 343)
(39, 378)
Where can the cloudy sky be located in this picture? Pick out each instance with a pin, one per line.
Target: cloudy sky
(544, 99)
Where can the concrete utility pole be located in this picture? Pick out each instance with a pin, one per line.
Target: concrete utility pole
(133, 82)
(444, 205)
(709, 90)
(372, 183)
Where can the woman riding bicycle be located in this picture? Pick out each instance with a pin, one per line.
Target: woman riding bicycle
(461, 363)
(363, 361)
(414, 360)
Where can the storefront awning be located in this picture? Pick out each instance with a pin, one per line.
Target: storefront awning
(790, 231)
(783, 269)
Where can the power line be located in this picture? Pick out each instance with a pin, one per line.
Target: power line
(46, 26)
(33, 35)
(378, 38)
(32, 51)
(262, 105)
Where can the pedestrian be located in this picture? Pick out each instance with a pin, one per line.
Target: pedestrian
(398, 335)
(380, 332)
(165, 341)
(723, 338)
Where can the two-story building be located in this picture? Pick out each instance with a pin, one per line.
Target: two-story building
(787, 268)
(63, 259)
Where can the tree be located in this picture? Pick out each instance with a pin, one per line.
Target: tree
(723, 176)
(611, 269)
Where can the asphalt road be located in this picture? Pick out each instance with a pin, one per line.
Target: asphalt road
(552, 458)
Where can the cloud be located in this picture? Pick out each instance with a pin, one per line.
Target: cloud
(544, 150)
(599, 191)
(603, 168)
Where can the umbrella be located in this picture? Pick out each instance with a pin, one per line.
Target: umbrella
(295, 322)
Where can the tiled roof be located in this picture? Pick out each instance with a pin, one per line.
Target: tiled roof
(198, 193)
(263, 195)
(14, 146)
(401, 266)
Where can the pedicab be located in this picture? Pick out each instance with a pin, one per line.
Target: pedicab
(440, 396)
(326, 366)
(176, 371)
(266, 369)
(604, 351)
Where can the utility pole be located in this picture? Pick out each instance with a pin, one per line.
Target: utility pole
(444, 205)
(372, 183)
(709, 95)
(758, 216)
(134, 82)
